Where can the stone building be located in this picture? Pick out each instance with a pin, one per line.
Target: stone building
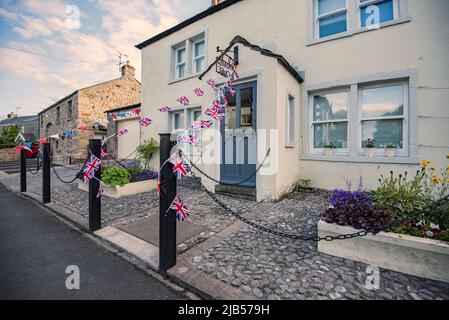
(86, 107)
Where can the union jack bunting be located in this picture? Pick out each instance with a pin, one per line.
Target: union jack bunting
(183, 100)
(165, 109)
(189, 139)
(181, 211)
(212, 84)
(114, 117)
(145, 122)
(100, 190)
(214, 113)
(121, 133)
(198, 92)
(180, 168)
(202, 124)
(223, 101)
(231, 88)
(103, 152)
(137, 111)
(217, 106)
(91, 167)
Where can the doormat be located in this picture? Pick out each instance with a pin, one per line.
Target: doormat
(147, 229)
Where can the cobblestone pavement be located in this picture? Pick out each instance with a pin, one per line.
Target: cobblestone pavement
(277, 268)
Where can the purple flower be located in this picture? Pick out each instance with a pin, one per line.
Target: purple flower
(144, 175)
(342, 197)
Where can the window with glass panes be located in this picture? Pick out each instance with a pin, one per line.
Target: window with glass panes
(198, 56)
(331, 17)
(180, 62)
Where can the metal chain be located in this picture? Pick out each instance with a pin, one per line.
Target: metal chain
(37, 168)
(77, 176)
(362, 233)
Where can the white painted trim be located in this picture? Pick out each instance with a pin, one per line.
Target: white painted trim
(287, 142)
(353, 155)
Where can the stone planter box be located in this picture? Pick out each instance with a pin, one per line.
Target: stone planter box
(127, 190)
(420, 257)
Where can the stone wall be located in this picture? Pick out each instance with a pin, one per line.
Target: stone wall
(89, 106)
(8, 154)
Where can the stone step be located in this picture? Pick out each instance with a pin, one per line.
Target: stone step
(249, 193)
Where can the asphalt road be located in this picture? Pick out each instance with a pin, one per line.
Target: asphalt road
(36, 248)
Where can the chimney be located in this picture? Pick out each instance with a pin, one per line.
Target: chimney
(12, 115)
(215, 2)
(128, 70)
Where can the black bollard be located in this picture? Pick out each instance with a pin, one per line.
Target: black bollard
(46, 173)
(167, 220)
(94, 186)
(23, 171)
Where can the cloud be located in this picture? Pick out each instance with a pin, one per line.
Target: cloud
(22, 64)
(56, 60)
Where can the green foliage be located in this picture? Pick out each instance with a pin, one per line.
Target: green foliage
(303, 184)
(114, 176)
(8, 136)
(147, 150)
(400, 196)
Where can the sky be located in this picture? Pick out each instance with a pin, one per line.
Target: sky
(50, 48)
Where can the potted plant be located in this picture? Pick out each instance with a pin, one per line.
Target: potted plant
(329, 148)
(390, 150)
(369, 148)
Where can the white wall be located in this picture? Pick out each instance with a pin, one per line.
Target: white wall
(422, 45)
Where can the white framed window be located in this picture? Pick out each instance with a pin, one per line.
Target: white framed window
(334, 19)
(290, 131)
(331, 17)
(199, 58)
(374, 12)
(195, 114)
(352, 112)
(383, 113)
(177, 121)
(180, 62)
(329, 114)
(189, 57)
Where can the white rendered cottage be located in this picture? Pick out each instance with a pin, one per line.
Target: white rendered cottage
(312, 72)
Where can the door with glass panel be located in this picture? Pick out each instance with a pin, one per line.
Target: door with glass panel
(238, 130)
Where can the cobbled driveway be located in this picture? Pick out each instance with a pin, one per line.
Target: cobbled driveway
(271, 267)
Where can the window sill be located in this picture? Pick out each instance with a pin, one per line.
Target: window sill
(361, 159)
(359, 30)
(173, 81)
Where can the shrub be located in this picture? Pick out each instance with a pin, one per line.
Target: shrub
(360, 215)
(342, 196)
(8, 136)
(114, 176)
(147, 150)
(303, 184)
(133, 166)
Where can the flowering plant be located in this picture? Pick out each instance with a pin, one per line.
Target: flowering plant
(369, 143)
(144, 175)
(341, 197)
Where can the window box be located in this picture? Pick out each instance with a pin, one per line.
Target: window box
(407, 254)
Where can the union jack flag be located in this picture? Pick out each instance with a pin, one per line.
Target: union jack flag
(180, 168)
(100, 191)
(231, 88)
(182, 213)
(121, 133)
(202, 124)
(137, 111)
(198, 92)
(114, 117)
(189, 139)
(223, 101)
(214, 113)
(91, 167)
(216, 104)
(165, 109)
(183, 100)
(103, 151)
(145, 122)
(212, 84)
